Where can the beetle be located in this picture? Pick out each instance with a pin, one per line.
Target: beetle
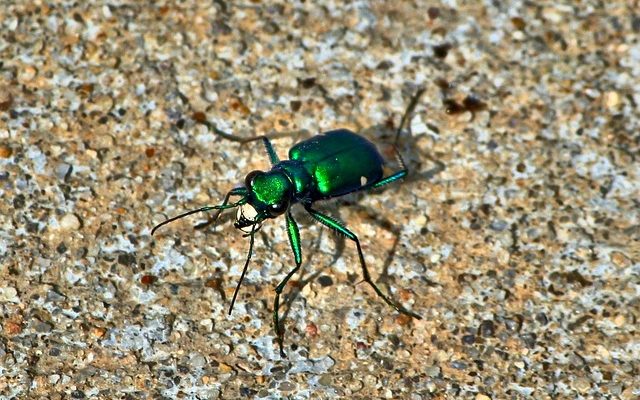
(323, 167)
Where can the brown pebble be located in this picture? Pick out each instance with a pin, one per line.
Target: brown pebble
(403, 319)
(5, 151)
(199, 117)
(405, 294)
(148, 279)
(441, 50)
(12, 328)
(98, 331)
(311, 329)
(473, 104)
(295, 105)
(433, 12)
(225, 368)
(619, 259)
(213, 283)
(287, 386)
(238, 105)
(362, 346)
(85, 89)
(5, 105)
(518, 23)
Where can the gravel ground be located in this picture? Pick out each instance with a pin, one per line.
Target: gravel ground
(516, 234)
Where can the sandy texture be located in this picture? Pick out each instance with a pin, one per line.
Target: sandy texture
(516, 235)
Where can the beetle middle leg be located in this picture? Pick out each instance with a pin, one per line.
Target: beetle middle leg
(338, 227)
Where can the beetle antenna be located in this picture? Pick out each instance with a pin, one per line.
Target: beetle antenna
(244, 270)
(203, 209)
(412, 105)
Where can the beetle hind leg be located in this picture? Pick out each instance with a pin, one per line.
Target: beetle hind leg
(395, 176)
(405, 117)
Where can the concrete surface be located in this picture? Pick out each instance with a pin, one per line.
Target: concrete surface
(516, 235)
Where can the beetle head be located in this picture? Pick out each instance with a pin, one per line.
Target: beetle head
(269, 196)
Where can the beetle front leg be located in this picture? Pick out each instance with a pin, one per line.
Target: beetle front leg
(239, 191)
(294, 239)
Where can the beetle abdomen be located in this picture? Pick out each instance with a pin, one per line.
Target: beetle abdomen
(339, 161)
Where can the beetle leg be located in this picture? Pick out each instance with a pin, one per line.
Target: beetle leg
(239, 191)
(398, 175)
(240, 139)
(294, 240)
(338, 227)
(412, 105)
(392, 178)
(405, 117)
(273, 157)
(244, 270)
(224, 206)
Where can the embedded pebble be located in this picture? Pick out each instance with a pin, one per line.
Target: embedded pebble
(582, 385)
(611, 100)
(70, 222)
(26, 74)
(5, 151)
(62, 170)
(9, 294)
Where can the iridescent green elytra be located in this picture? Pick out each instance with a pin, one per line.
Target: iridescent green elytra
(325, 166)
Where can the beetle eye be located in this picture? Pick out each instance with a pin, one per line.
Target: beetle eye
(248, 180)
(277, 209)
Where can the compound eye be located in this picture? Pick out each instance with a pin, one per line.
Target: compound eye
(248, 180)
(277, 209)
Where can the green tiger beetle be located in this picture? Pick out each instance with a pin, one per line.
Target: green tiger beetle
(325, 166)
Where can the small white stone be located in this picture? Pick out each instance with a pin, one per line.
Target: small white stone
(27, 74)
(363, 180)
(611, 100)
(581, 384)
(418, 127)
(518, 36)
(9, 294)
(70, 222)
(552, 15)
(207, 324)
